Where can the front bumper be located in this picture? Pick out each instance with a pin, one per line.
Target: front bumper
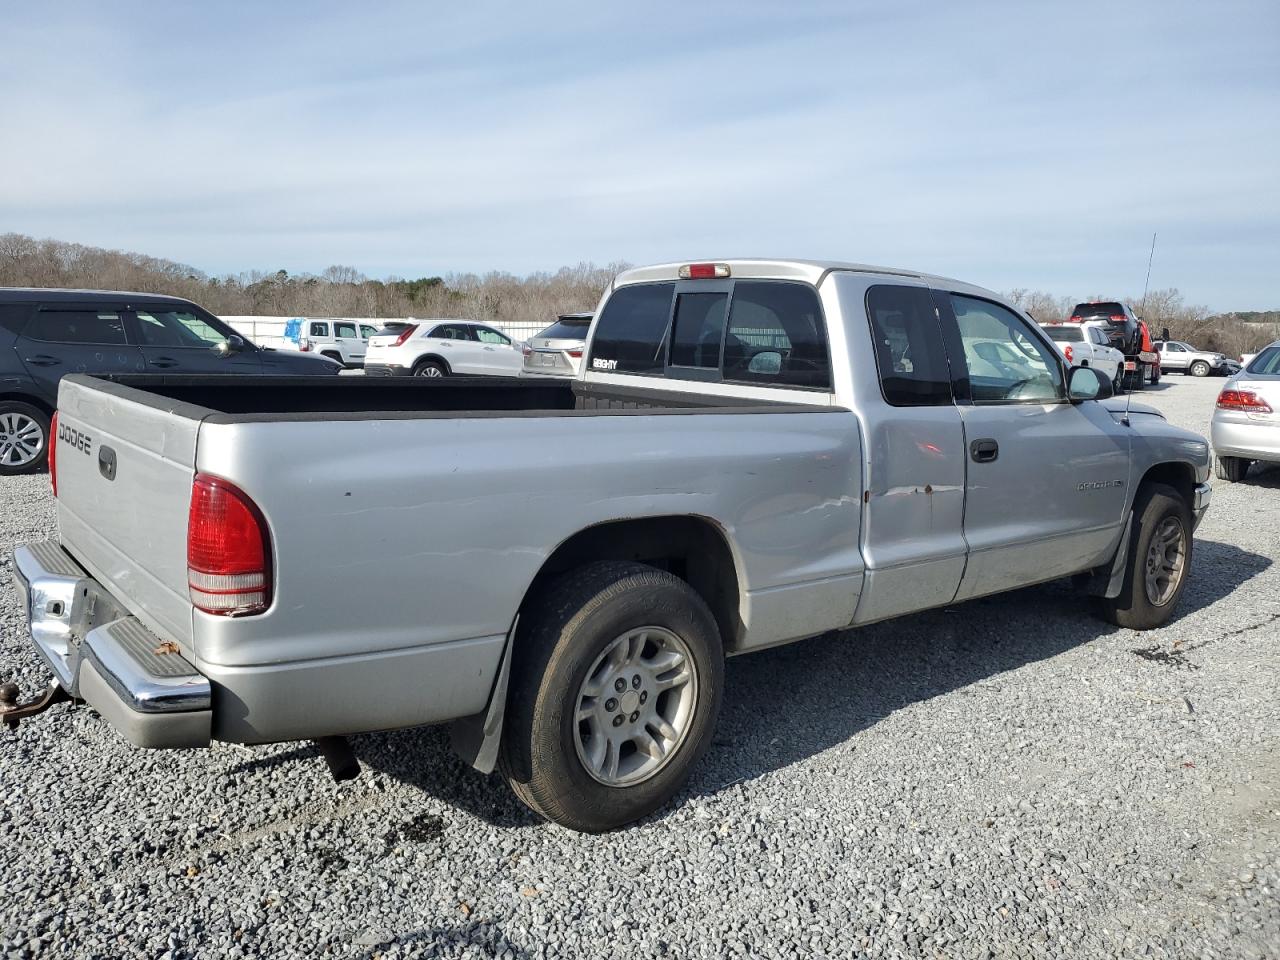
(1200, 503)
(100, 654)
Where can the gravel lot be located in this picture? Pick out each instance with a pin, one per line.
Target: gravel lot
(1006, 778)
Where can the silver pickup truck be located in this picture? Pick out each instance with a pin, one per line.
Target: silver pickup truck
(755, 451)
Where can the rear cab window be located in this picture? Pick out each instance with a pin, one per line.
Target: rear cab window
(1066, 334)
(909, 351)
(761, 332)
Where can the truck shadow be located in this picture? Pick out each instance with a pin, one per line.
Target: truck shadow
(787, 704)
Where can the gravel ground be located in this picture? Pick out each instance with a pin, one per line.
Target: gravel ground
(1006, 778)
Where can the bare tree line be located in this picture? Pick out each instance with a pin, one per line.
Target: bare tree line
(496, 297)
(338, 291)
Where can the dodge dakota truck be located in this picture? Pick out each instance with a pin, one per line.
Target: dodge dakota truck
(753, 452)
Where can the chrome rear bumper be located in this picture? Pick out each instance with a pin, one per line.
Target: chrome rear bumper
(99, 653)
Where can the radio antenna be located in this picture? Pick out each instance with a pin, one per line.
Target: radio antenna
(1146, 285)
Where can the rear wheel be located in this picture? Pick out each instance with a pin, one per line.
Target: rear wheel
(1117, 382)
(1199, 369)
(622, 673)
(1158, 560)
(430, 368)
(1231, 469)
(24, 438)
(1155, 374)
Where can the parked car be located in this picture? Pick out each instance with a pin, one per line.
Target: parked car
(756, 451)
(1245, 428)
(557, 350)
(441, 348)
(1125, 333)
(1087, 345)
(45, 334)
(1184, 358)
(344, 341)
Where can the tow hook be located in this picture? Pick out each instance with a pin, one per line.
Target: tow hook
(12, 712)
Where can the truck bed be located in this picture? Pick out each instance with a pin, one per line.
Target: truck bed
(261, 399)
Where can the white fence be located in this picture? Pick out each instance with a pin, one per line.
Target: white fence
(269, 331)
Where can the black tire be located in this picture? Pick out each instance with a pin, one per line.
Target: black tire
(1138, 381)
(430, 368)
(1117, 385)
(1134, 607)
(23, 416)
(1155, 374)
(335, 357)
(1199, 369)
(1231, 469)
(560, 640)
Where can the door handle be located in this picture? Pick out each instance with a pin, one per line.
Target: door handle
(43, 360)
(984, 451)
(490, 349)
(163, 362)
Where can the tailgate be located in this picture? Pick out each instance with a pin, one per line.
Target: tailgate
(125, 461)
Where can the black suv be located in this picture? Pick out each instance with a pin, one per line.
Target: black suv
(1122, 324)
(47, 333)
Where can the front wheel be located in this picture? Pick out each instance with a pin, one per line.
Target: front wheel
(621, 674)
(24, 438)
(1117, 382)
(1231, 469)
(1158, 560)
(1199, 369)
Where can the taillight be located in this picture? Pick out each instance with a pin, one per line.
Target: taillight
(1245, 400)
(228, 550)
(405, 334)
(1117, 318)
(704, 271)
(52, 444)
(526, 350)
(1074, 319)
(304, 346)
(1067, 351)
(576, 354)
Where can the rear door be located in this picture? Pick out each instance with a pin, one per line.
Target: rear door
(76, 338)
(913, 508)
(350, 345)
(454, 342)
(1046, 479)
(174, 339)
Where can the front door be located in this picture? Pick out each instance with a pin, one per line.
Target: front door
(1046, 479)
(498, 356)
(79, 338)
(175, 340)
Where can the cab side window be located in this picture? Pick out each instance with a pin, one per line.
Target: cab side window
(367, 331)
(485, 335)
(319, 330)
(344, 330)
(77, 326)
(909, 351)
(777, 335)
(448, 331)
(1006, 362)
(175, 328)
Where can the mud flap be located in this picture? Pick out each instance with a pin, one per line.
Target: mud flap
(1108, 581)
(476, 738)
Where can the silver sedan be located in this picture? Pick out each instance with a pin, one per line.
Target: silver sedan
(1246, 420)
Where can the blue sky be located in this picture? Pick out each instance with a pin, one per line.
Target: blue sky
(1010, 144)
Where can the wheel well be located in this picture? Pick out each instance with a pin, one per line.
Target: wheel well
(28, 399)
(1180, 476)
(691, 548)
(332, 355)
(432, 356)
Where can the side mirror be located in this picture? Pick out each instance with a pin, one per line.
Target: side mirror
(1086, 383)
(768, 362)
(232, 345)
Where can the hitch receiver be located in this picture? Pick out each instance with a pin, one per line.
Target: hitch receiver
(12, 712)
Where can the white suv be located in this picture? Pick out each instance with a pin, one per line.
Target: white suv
(342, 340)
(441, 348)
